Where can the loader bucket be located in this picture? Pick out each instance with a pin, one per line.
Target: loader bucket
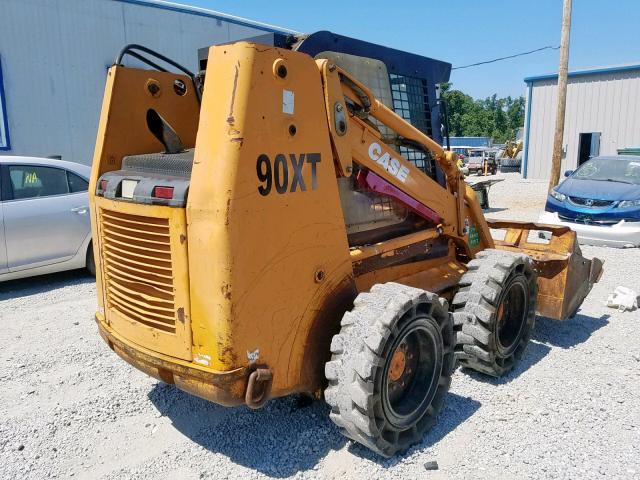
(565, 277)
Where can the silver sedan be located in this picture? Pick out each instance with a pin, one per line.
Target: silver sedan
(44, 217)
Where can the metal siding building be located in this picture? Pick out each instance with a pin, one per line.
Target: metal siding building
(471, 141)
(603, 113)
(55, 54)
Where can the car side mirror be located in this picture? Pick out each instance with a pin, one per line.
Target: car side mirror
(568, 173)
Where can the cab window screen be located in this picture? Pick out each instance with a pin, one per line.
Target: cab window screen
(411, 102)
(30, 181)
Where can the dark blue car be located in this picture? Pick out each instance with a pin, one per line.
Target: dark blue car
(600, 201)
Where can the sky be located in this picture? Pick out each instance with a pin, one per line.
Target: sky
(604, 32)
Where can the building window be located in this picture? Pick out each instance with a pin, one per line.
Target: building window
(4, 124)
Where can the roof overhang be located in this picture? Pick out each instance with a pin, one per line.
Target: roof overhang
(586, 72)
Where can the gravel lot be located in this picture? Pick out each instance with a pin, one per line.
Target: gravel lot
(70, 408)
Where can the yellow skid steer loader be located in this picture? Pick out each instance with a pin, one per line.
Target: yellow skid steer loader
(283, 222)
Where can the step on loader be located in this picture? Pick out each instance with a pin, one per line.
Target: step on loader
(284, 222)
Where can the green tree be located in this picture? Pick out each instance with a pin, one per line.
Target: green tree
(498, 118)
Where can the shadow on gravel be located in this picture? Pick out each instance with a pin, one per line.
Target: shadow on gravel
(43, 283)
(278, 440)
(494, 209)
(535, 352)
(282, 438)
(548, 333)
(568, 333)
(457, 410)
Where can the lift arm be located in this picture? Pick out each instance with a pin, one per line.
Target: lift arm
(565, 277)
(455, 207)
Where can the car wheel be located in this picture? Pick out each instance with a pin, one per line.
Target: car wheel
(91, 262)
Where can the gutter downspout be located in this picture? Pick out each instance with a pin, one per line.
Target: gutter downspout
(4, 117)
(527, 128)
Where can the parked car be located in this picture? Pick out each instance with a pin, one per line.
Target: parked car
(44, 217)
(600, 201)
(477, 158)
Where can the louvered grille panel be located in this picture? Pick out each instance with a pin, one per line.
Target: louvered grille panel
(138, 269)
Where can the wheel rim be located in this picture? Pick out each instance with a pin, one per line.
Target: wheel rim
(511, 316)
(411, 373)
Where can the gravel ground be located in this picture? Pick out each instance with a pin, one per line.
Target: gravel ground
(70, 408)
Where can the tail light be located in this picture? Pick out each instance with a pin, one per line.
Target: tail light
(165, 193)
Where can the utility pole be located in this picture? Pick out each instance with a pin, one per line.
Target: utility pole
(556, 160)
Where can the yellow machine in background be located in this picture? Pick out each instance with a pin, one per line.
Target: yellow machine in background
(510, 156)
(512, 148)
(282, 242)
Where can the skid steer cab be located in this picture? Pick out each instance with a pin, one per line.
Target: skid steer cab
(286, 221)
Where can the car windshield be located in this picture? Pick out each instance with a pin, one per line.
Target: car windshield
(609, 170)
(475, 153)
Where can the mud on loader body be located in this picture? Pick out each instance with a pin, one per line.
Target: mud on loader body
(281, 243)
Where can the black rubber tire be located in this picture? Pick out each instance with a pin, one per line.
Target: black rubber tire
(358, 372)
(90, 262)
(491, 278)
(510, 163)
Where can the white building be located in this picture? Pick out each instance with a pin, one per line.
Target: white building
(54, 56)
(602, 116)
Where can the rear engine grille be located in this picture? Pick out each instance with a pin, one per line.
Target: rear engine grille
(588, 202)
(138, 269)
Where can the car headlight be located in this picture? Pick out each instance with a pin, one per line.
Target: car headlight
(629, 203)
(561, 197)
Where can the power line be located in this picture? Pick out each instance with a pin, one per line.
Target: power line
(506, 58)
